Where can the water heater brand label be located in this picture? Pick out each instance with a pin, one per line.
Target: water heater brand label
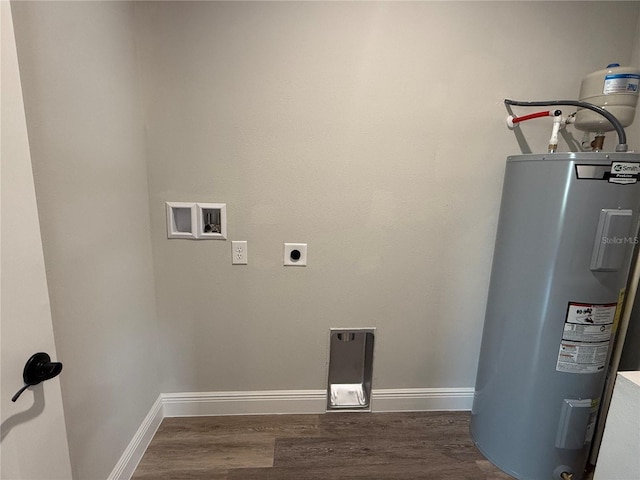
(585, 338)
(624, 172)
(621, 83)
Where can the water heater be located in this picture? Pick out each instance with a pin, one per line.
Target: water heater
(567, 227)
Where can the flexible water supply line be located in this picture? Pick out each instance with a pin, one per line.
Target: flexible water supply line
(512, 119)
(622, 136)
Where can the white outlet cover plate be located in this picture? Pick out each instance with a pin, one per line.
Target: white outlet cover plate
(239, 252)
(289, 248)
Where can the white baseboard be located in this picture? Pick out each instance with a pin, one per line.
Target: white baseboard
(277, 402)
(133, 453)
(311, 401)
(244, 403)
(421, 399)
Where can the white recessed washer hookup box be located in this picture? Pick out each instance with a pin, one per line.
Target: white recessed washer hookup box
(212, 221)
(181, 220)
(197, 221)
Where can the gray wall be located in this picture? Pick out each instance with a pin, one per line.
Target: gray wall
(79, 72)
(372, 131)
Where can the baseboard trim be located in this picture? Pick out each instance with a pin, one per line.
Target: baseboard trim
(272, 402)
(421, 399)
(244, 403)
(133, 453)
(310, 401)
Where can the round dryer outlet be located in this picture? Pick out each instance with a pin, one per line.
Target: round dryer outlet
(295, 254)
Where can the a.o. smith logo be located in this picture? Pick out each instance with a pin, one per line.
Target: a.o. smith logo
(622, 168)
(624, 173)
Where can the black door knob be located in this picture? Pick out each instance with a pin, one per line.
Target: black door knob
(38, 369)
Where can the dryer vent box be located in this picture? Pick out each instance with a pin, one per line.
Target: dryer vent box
(350, 369)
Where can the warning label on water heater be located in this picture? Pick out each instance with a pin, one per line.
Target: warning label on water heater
(585, 339)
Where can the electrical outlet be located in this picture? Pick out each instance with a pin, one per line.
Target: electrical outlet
(239, 253)
(295, 254)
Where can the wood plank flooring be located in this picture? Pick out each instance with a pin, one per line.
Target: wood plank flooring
(340, 445)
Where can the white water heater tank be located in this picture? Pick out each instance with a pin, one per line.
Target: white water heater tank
(616, 90)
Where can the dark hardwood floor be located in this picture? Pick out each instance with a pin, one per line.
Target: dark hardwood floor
(344, 446)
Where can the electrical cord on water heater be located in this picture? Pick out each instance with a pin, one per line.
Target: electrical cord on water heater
(622, 136)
